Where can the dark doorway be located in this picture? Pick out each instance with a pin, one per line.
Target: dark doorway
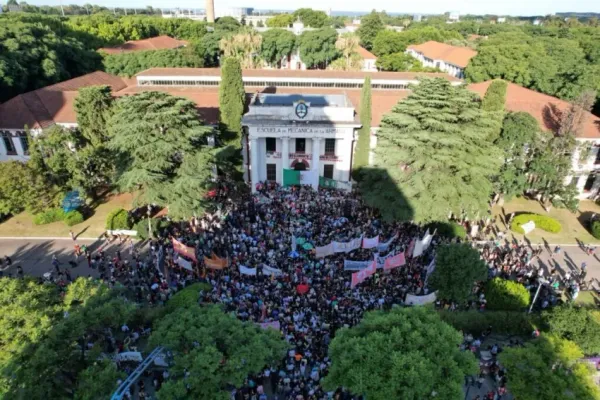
(589, 183)
(300, 166)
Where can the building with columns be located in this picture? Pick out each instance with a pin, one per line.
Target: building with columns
(301, 132)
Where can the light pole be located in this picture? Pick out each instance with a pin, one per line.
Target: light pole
(542, 282)
(149, 211)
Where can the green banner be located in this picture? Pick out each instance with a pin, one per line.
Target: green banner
(291, 177)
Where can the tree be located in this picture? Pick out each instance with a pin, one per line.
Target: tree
(495, 97)
(548, 368)
(23, 189)
(502, 294)
(457, 268)
(98, 380)
(398, 62)
(277, 44)
(354, 63)
(317, 48)
(406, 353)
(370, 26)
(231, 104)
(436, 154)
(128, 64)
(227, 24)
(152, 133)
(363, 144)
(92, 107)
(311, 18)
(244, 46)
(280, 21)
(347, 44)
(387, 42)
(578, 324)
(217, 350)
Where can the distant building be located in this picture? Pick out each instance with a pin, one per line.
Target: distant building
(155, 43)
(417, 18)
(369, 59)
(453, 17)
(501, 20)
(537, 22)
(450, 59)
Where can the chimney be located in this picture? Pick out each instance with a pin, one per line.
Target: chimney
(210, 11)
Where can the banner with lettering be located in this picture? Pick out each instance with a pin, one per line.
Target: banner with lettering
(383, 247)
(247, 271)
(346, 247)
(393, 262)
(182, 249)
(271, 271)
(361, 276)
(184, 264)
(350, 265)
(369, 243)
(324, 251)
(215, 262)
(413, 300)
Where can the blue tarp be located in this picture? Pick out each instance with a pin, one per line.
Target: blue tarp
(72, 201)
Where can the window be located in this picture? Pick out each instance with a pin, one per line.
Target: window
(328, 171)
(24, 142)
(8, 144)
(271, 144)
(271, 172)
(300, 145)
(330, 147)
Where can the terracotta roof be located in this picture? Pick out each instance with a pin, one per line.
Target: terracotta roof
(546, 109)
(52, 104)
(459, 56)
(365, 54)
(155, 43)
(286, 73)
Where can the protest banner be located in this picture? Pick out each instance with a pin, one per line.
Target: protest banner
(361, 276)
(185, 264)
(383, 247)
(413, 300)
(271, 271)
(185, 251)
(393, 262)
(346, 247)
(324, 251)
(125, 232)
(369, 243)
(247, 271)
(215, 262)
(350, 265)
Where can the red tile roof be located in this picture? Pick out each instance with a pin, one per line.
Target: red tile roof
(155, 43)
(52, 104)
(459, 56)
(366, 54)
(545, 109)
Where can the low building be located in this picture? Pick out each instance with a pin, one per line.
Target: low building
(450, 59)
(156, 43)
(369, 59)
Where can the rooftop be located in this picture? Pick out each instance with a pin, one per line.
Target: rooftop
(365, 54)
(156, 43)
(459, 56)
(331, 100)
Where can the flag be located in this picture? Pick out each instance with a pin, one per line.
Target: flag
(247, 271)
(293, 177)
(418, 249)
(182, 249)
(426, 240)
(185, 264)
(362, 275)
(215, 262)
(270, 270)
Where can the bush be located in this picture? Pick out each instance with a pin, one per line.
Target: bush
(49, 216)
(505, 295)
(542, 222)
(188, 296)
(449, 229)
(73, 218)
(503, 322)
(118, 219)
(596, 229)
(142, 227)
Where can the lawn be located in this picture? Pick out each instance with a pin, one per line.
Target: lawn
(21, 225)
(572, 227)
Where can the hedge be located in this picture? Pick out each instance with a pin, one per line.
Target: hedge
(73, 218)
(449, 229)
(503, 322)
(542, 222)
(505, 295)
(596, 229)
(118, 219)
(49, 216)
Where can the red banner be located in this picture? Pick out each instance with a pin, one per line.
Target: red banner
(185, 251)
(360, 276)
(397, 261)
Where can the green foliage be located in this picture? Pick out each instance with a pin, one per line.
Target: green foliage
(93, 106)
(150, 131)
(578, 324)
(129, 64)
(216, 349)
(49, 216)
(448, 229)
(502, 322)
(495, 96)
(98, 380)
(317, 48)
(406, 353)
(388, 42)
(73, 217)
(21, 188)
(548, 368)
(280, 21)
(363, 144)
(542, 222)
(457, 267)
(156, 225)
(505, 295)
(276, 44)
(402, 62)
(566, 197)
(187, 297)
(433, 156)
(231, 104)
(596, 229)
(311, 18)
(370, 25)
(118, 219)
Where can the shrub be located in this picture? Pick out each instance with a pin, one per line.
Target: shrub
(502, 294)
(142, 227)
(73, 218)
(542, 222)
(187, 297)
(118, 219)
(503, 322)
(449, 229)
(49, 216)
(596, 229)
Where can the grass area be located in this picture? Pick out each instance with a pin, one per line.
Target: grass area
(573, 225)
(588, 298)
(22, 224)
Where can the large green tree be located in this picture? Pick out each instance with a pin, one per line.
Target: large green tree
(311, 18)
(406, 353)
(579, 324)
(317, 48)
(433, 156)
(217, 350)
(363, 144)
(457, 268)
(276, 44)
(153, 132)
(93, 107)
(370, 26)
(21, 188)
(129, 64)
(280, 21)
(548, 368)
(231, 105)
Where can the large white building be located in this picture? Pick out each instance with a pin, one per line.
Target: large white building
(450, 59)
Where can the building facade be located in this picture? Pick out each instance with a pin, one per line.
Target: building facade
(451, 59)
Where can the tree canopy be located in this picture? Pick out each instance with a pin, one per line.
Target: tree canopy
(311, 18)
(406, 353)
(370, 26)
(129, 64)
(317, 48)
(363, 144)
(280, 21)
(433, 148)
(578, 324)
(276, 44)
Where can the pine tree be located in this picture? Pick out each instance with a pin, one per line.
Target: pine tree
(231, 104)
(433, 156)
(92, 106)
(363, 144)
(153, 133)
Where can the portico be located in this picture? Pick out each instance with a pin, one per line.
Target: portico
(314, 132)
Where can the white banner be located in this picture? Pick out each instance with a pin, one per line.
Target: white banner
(125, 232)
(324, 251)
(528, 227)
(346, 247)
(129, 356)
(382, 247)
(418, 250)
(185, 264)
(310, 177)
(413, 300)
(369, 243)
(274, 271)
(426, 240)
(247, 271)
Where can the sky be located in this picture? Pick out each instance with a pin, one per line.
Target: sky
(501, 7)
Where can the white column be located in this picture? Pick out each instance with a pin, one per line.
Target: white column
(253, 163)
(285, 153)
(316, 150)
